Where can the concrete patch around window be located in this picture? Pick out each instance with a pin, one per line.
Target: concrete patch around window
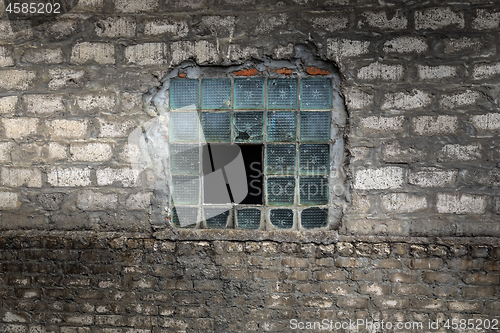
(254, 147)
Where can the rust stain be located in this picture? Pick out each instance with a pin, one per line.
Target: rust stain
(247, 72)
(316, 71)
(182, 75)
(285, 71)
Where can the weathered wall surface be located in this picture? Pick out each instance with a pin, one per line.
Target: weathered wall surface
(421, 84)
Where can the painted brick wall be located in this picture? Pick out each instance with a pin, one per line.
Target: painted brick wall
(417, 241)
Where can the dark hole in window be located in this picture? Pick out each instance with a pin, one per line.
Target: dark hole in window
(216, 157)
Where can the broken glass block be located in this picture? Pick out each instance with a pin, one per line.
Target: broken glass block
(282, 94)
(184, 93)
(313, 190)
(314, 159)
(248, 218)
(216, 126)
(248, 93)
(248, 126)
(315, 126)
(316, 94)
(281, 126)
(184, 159)
(185, 216)
(281, 218)
(185, 189)
(216, 218)
(215, 94)
(280, 191)
(314, 218)
(184, 126)
(280, 159)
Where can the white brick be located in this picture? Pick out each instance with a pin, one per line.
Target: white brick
(146, 54)
(379, 179)
(64, 128)
(357, 99)
(485, 71)
(338, 49)
(267, 22)
(91, 152)
(95, 201)
(44, 104)
(18, 128)
(101, 53)
(406, 100)
(126, 6)
(382, 124)
(393, 152)
(460, 204)
(130, 154)
(466, 98)
(238, 54)
(485, 19)
(219, 26)
(17, 177)
(456, 152)
(380, 20)
(437, 18)
(127, 177)
(57, 151)
(5, 149)
(403, 203)
(96, 102)
(172, 28)
(8, 105)
(202, 51)
(89, 5)
(486, 122)
(436, 72)
(331, 23)
(6, 59)
(115, 128)
(378, 71)
(43, 56)
(406, 45)
(116, 27)
(72, 176)
(22, 29)
(433, 125)
(62, 78)
(138, 201)
(16, 79)
(433, 177)
(8, 200)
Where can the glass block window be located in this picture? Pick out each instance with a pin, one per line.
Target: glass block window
(252, 153)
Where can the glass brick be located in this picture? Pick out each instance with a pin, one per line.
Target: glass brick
(248, 93)
(184, 159)
(281, 218)
(314, 218)
(315, 126)
(184, 93)
(280, 159)
(185, 189)
(280, 191)
(316, 94)
(282, 94)
(184, 126)
(216, 94)
(248, 126)
(216, 126)
(281, 126)
(248, 219)
(314, 159)
(185, 216)
(313, 190)
(216, 218)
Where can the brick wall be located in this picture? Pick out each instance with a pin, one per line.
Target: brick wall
(420, 81)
